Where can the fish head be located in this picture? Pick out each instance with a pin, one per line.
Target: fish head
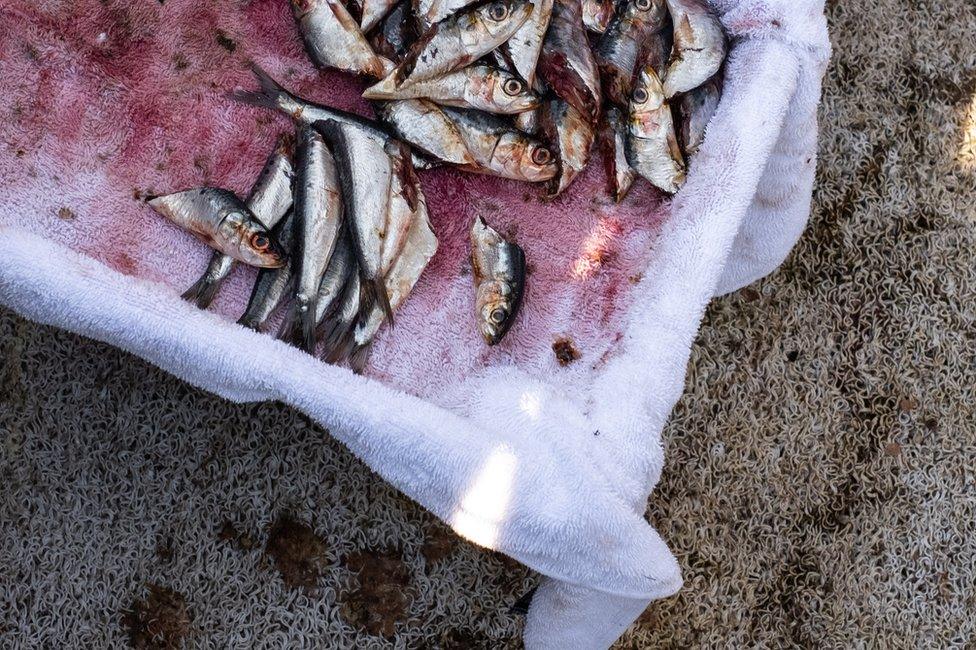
(507, 91)
(494, 303)
(648, 92)
(503, 16)
(258, 247)
(647, 12)
(525, 157)
(303, 7)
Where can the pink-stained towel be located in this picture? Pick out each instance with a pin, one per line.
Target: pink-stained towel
(106, 101)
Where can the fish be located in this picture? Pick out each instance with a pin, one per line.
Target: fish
(597, 15)
(634, 33)
(425, 127)
(523, 48)
(272, 95)
(421, 246)
(405, 196)
(528, 122)
(501, 150)
(221, 220)
(461, 39)
(365, 173)
(272, 285)
(652, 146)
(318, 210)
(269, 200)
(572, 135)
(338, 330)
(499, 277)
(567, 62)
(333, 39)
(620, 175)
(373, 11)
(699, 46)
(341, 267)
(477, 86)
(428, 12)
(696, 109)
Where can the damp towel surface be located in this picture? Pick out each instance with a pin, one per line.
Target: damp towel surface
(549, 464)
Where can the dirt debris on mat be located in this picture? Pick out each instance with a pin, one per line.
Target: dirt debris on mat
(161, 621)
(381, 597)
(298, 554)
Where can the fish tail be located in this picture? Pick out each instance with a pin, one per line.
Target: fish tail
(308, 326)
(267, 97)
(286, 332)
(202, 292)
(377, 287)
(250, 322)
(358, 358)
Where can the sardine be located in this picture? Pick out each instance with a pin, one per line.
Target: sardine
(405, 196)
(499, 277)
(273, 96)
(620, 175)
(652, 146)
(269, 200)
(633, 34)
(318, 210)
(341, 266)
(699, 46)
(424, 126)
(572, 136)
(373, 12)
(394, 36)
(428, 12)
(461, 39)
(597, 15)
(338, 329)
(272, 284)
(334, 39)
(221, 220)
(567, 63)
(477, 86)
(696, 108)
(501, 150)
(364, 170)
(421, 245)
(525, 45)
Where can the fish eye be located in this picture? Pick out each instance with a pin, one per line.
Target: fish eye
(643, 5)
(541, 156)
(513, 87)
(498, 11)
(260, 242)
(640, 95)
(498, 316)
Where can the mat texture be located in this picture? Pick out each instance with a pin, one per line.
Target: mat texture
(819, 487)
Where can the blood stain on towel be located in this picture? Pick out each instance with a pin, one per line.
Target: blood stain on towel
(66, 214)
(162, 620)
(381, 598)
(298, 554)
(566, 351)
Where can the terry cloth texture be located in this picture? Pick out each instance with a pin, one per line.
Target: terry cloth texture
(121, 475)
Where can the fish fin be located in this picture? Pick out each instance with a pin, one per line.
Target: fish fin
(308, 325)
(267, 97)
(249, 322)
(202, 292)
(286, 332)
(405, 69)
(358, 358)
(382, 297)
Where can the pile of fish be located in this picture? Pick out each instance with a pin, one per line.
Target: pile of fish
(520, 89)
(523, 88)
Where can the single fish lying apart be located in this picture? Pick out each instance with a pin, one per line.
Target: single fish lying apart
(499, 278)
(224, 222)
(269, 200)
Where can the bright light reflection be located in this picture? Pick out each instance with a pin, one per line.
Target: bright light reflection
(594, 251)
(967, 152)
(530, 404)
(484, 506)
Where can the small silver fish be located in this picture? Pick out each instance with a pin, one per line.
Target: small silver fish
(501, 150)
(272, 284)
(525, 45)
(699, 46)
(339, 328)
(421, 245)
(220, 219)
(696, 108)
(271, 95)
(567, 62)
(652, 146)
(499, 277)
(597, 15)
(341, 266)
(269, 200)
(572, 135)
(620, 175)
(365, 173)
(477, 86)
(461, 39)
(424, 126)
(334, 39)
(405, 196)
(634, 33)
(318, 209)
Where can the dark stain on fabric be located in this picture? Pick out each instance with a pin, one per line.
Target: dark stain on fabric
(161, 621)
(298, 553)
(381, 598)
(565, 351)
